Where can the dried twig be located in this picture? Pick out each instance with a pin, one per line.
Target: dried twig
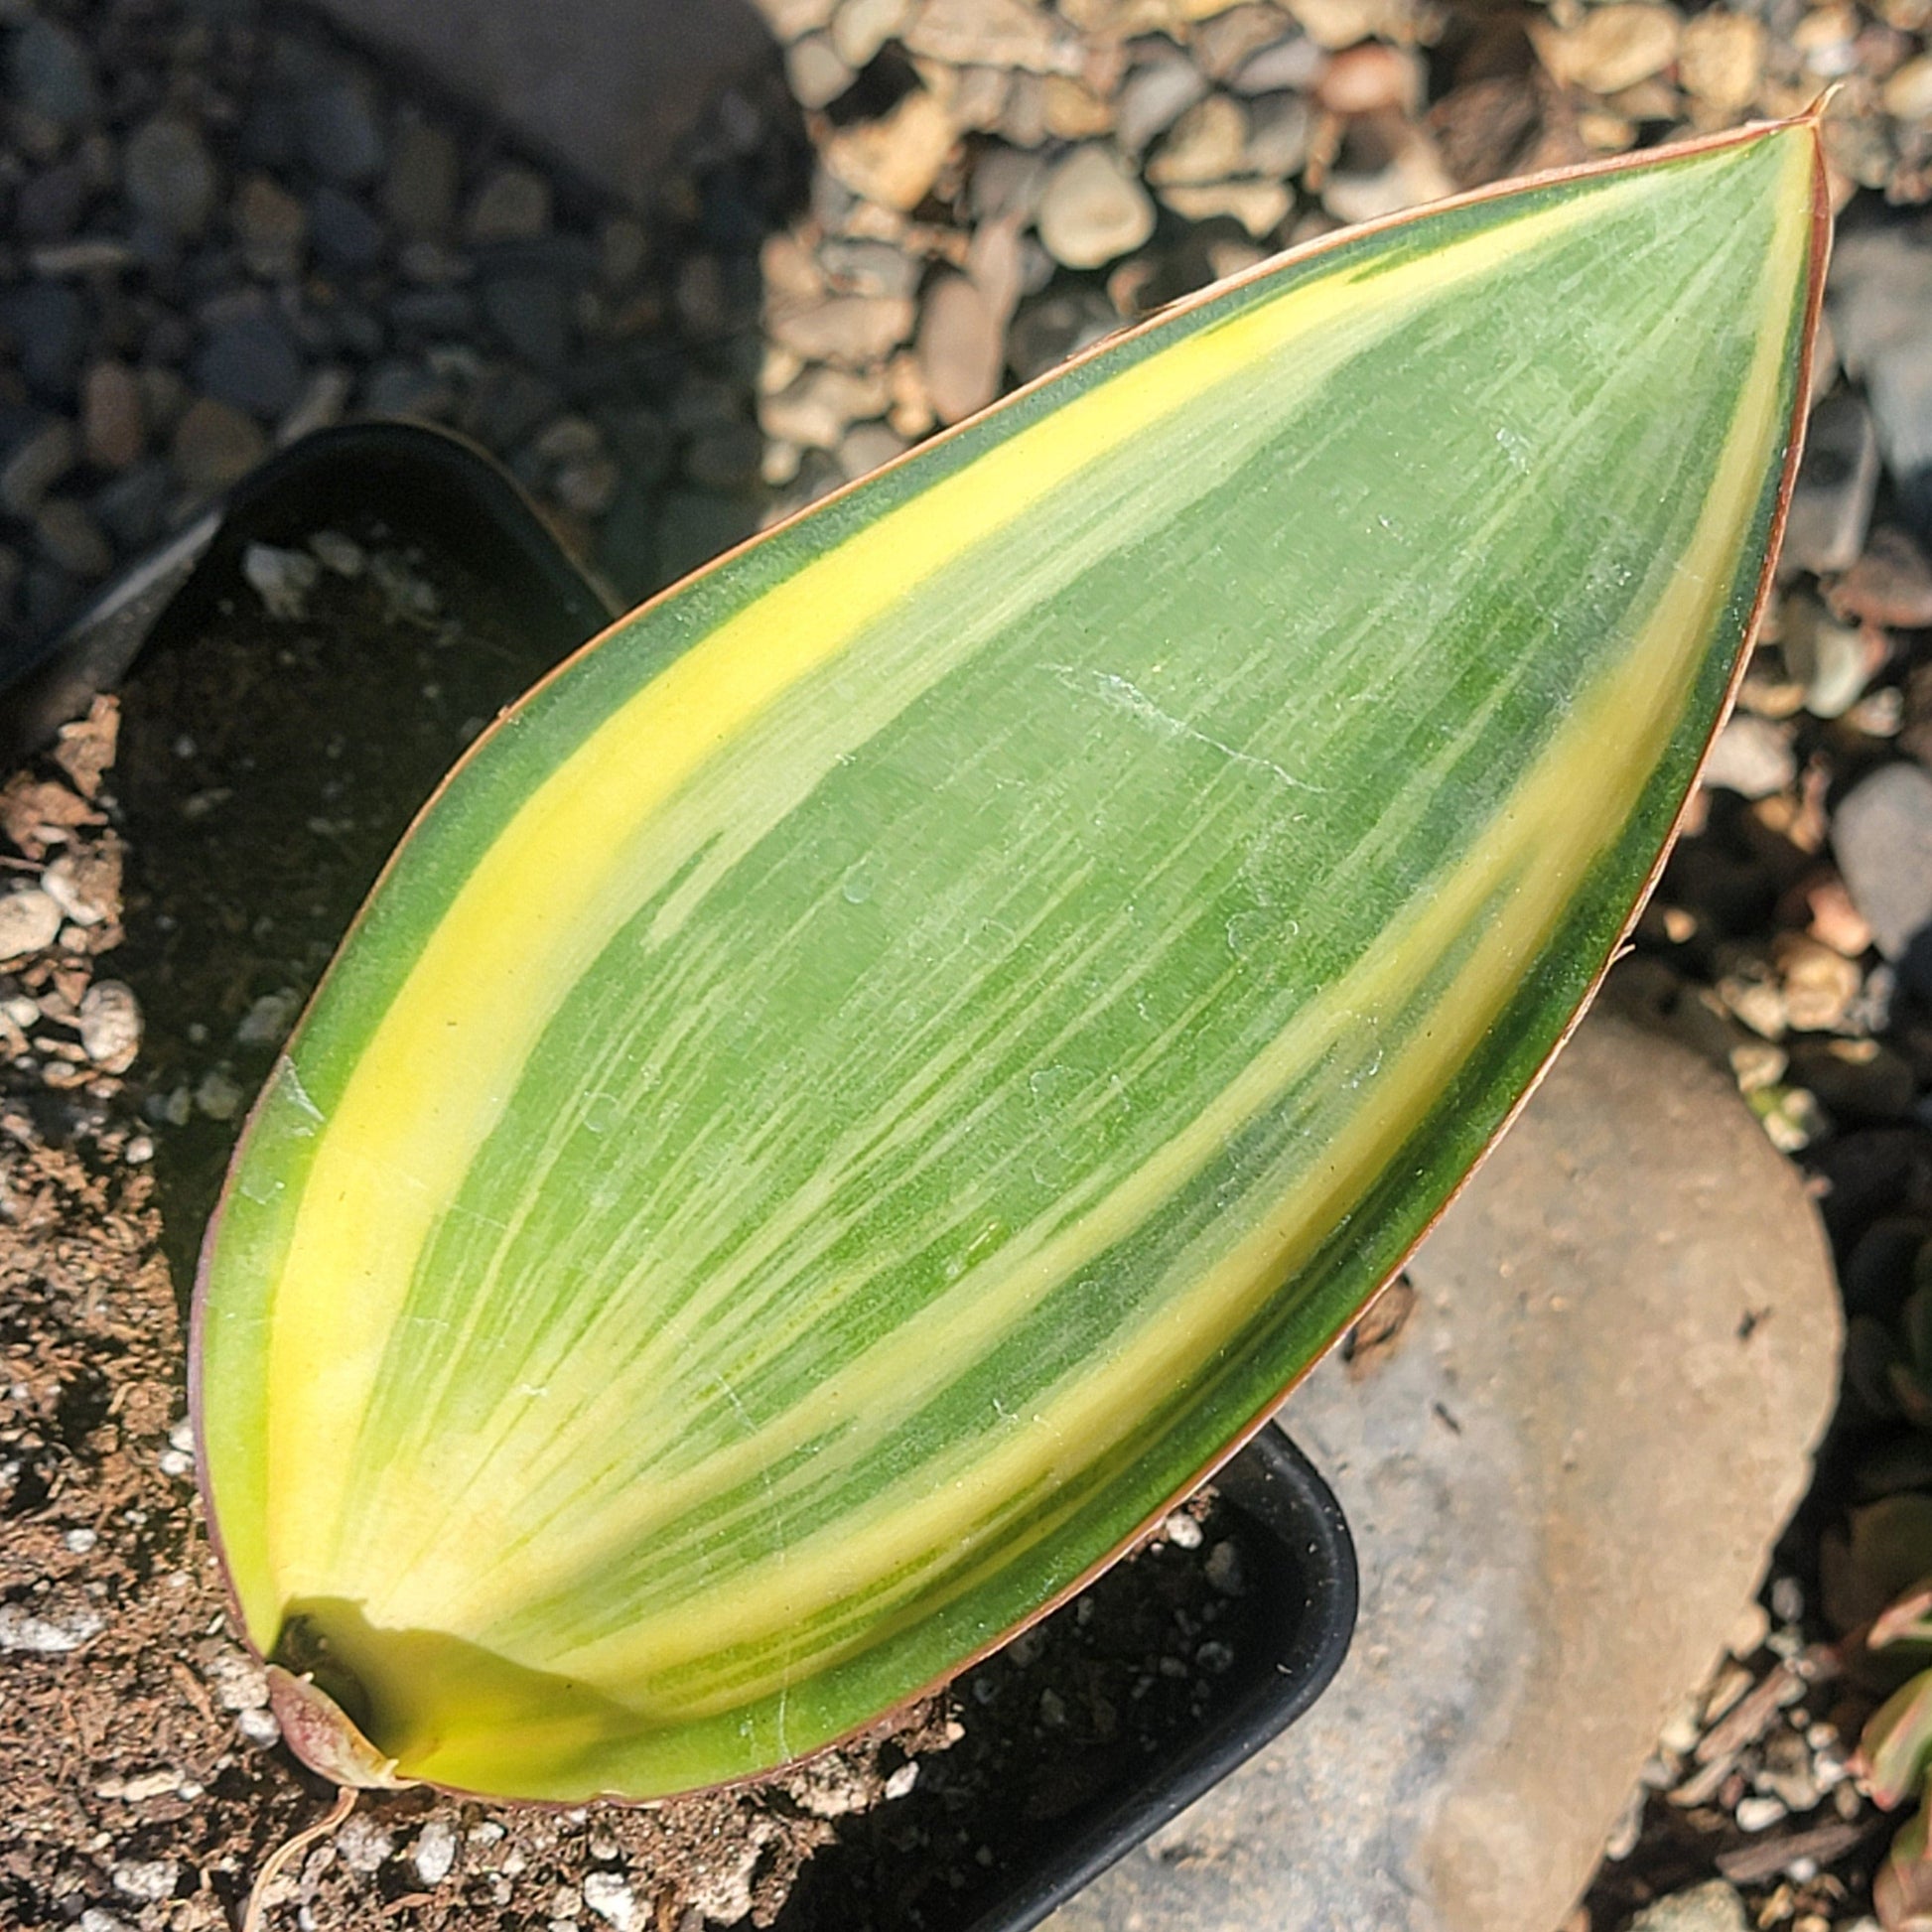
(251, 1917)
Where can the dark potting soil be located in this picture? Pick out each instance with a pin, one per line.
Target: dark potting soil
(266, 768)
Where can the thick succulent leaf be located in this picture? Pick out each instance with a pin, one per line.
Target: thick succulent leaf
(871, 1080)
(1897, 1742)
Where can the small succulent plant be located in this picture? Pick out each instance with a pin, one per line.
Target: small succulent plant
(1894, 1754)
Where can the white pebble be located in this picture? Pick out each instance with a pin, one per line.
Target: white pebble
(238, 1682)
(282, 579)
(267, 1021)
(80, 1541)
(900, 1783)
(1182, 1531)
(52, 1634)
(1759, 1814)
(363, 1845)
(260, 1728)
(28, 922)
(147, 1880)
(608, 1896)
(435, 1851)
(343, 555)
(217, 1096)
(174, 1464)
(1224, 1568)
(93, 1919)
(110, 1025)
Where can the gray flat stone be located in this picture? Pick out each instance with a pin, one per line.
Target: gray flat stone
(1563, 1479)
(610, 87)
(1882, 833)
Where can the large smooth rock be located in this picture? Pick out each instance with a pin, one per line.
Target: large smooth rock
(608, 87)
(1564, 1479)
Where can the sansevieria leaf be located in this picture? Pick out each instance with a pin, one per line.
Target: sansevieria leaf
(872, 1078)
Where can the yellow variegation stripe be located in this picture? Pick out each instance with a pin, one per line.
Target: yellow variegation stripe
(669, 1488)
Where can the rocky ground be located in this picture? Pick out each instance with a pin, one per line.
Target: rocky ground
(222, 227)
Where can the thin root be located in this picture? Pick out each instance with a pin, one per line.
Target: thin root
(251, 1918)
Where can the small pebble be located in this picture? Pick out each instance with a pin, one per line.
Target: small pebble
(1224, 1571)
(363, 1845)
(113, 428)
(110, 1025)
(1092, 209)
(1759, 1814)
(282, 579)
(52, 70)
(169, 176)
(1753, 756)
(1711, 1907)
(512, 205)
(343, 555)
(51, 1634)
(342, 132)
(29, 922)
(1612, 47)
(215, 445)
(260, 1726)
(1182, 1530)
(68, 536)
(147, 1881)
(961, 347)
(817, 73)
(608, 1896)
(217, 1096)
(435, 1851)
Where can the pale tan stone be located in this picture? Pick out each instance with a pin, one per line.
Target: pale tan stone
(1908, 92)
(1093, 209)
(1260, 206)
(1720, 58)
(1336, 24)
(1373, 79)
(1205, 144)
(1073, 111)
(861, 28)
(1611, 47)
(895, 161)
(851, 330)
(815, 411)
(993, 32)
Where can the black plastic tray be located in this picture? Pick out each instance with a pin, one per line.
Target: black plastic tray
(429, 487)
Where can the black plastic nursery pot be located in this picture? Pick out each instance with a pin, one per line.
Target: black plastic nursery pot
(1273, 1636)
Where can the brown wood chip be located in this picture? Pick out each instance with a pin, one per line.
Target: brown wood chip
(1752, 1865)
(1751, 1717)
